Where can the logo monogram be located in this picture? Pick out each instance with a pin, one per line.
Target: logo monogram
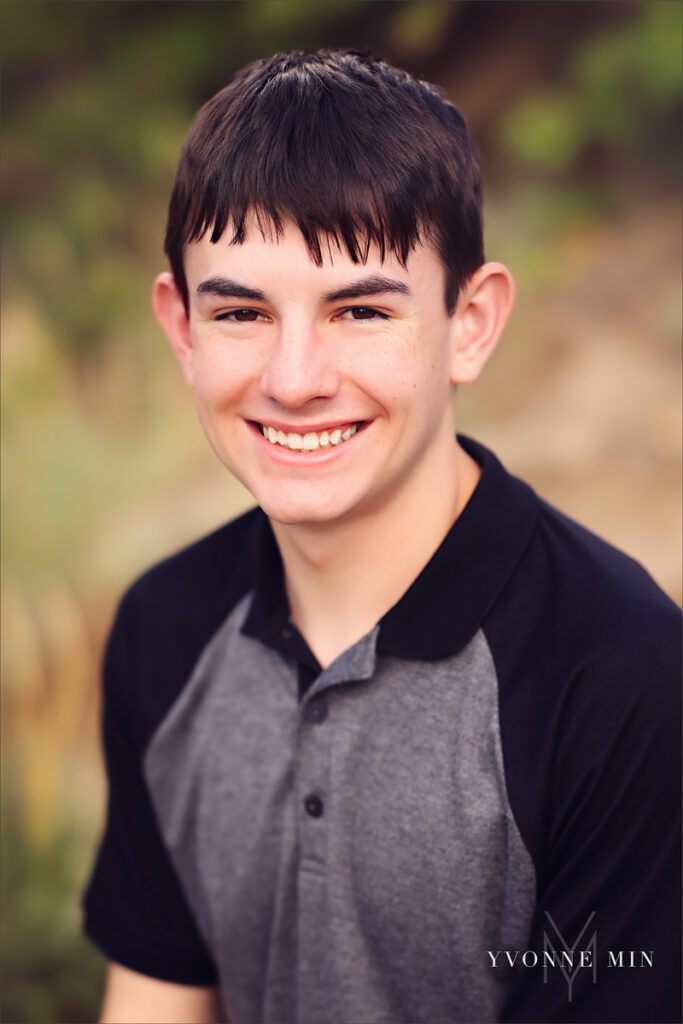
(567, 957)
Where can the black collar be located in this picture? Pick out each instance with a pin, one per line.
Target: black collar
(443, 608)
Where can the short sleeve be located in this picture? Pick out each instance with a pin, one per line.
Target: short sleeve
(134, 906)
(610, 873)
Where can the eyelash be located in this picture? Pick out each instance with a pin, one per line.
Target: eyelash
(234, 312)
(350, 309)
(367, 309)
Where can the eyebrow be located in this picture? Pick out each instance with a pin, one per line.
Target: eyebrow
(229, 289)
(376, 284)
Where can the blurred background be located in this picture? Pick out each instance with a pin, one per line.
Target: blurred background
(576, 111)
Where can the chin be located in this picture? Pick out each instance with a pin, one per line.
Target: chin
(291, 511)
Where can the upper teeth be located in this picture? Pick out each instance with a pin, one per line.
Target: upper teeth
(308, 442)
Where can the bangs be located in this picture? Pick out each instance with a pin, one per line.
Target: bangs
(353, 228)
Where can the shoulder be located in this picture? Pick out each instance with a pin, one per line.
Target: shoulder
(211, 568)
(584, 640)
(168, 615)
(580, 604)
(609, 608)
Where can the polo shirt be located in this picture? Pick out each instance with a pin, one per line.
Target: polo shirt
(493, 768)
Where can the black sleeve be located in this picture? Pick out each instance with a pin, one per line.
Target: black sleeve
(611, 862)
(134, 907)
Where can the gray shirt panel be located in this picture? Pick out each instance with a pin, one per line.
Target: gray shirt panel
(377, 909)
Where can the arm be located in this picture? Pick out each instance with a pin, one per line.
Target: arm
(135, 908)
(612, 857)
(132, 998)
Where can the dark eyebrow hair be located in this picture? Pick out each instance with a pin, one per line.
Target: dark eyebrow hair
(373, 285)
(226, 288)
(229, 289)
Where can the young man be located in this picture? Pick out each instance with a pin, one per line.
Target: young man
(378, 743)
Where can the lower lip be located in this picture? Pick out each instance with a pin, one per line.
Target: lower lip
(319, 457)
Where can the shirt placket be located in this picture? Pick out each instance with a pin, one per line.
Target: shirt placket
(315, 803)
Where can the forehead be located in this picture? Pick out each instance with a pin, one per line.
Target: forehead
(285, 260)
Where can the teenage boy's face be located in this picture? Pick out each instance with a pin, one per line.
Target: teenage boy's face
(323, 389)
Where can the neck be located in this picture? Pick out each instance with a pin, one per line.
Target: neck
(341, 578)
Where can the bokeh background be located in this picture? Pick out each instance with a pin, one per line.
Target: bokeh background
(576, 110)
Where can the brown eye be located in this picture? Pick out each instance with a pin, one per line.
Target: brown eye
(366, 313)
(240, 316)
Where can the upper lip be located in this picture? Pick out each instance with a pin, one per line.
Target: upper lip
(308, 428)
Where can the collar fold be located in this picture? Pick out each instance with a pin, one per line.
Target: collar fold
(446, 604)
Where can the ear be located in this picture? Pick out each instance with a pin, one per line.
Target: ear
(169, 309)
(484, 306)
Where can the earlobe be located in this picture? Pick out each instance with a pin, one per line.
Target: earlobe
(169, 309)
(484, 306)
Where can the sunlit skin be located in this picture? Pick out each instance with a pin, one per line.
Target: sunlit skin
(273, 339)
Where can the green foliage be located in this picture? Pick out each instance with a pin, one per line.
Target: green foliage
(636, 70)
(618, 86)
(50, 972)
(417, 28)
(547, 129)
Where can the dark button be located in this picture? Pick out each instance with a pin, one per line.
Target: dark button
(286, 633)
(313, 805)
(315, 711)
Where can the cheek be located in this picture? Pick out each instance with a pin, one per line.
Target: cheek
(407, 367)
(430, 360)
(221, 373)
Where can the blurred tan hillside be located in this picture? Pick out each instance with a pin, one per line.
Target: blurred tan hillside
(576, 108)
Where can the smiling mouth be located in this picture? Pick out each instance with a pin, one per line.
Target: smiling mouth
(311, 441)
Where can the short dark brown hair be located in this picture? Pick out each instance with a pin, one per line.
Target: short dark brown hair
(345, 146)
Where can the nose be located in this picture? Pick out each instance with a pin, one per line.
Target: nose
(299, 367)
